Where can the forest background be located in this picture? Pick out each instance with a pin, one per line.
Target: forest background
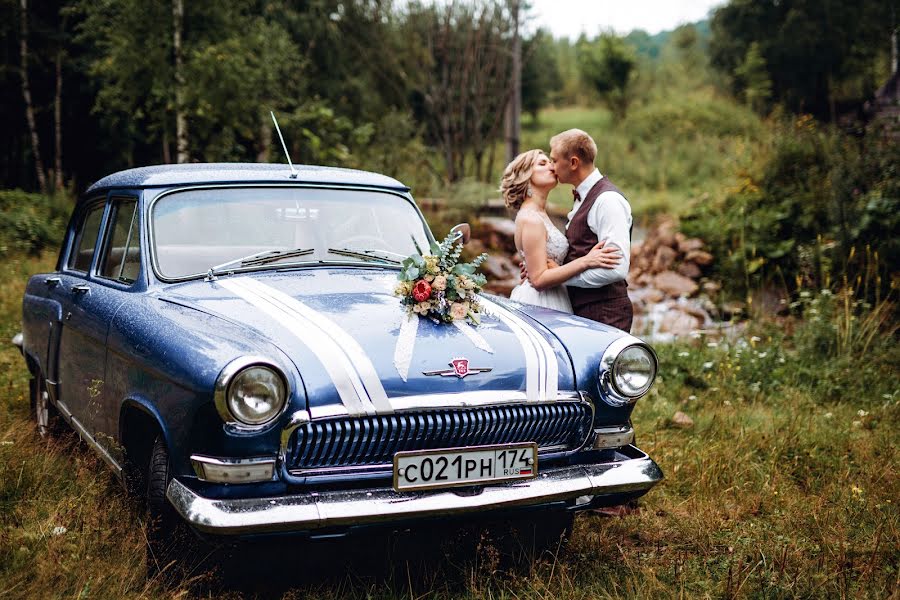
(757, 130)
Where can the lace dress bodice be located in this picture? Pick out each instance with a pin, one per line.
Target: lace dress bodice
(557, 244)
(557, 297)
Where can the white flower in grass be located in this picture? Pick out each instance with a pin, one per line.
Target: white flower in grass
(684, 354)
(708, 365)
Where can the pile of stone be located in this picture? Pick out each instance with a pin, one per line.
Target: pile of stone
(666, 283)
(669, 294)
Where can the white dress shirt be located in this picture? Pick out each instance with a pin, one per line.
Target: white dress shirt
(610, 220)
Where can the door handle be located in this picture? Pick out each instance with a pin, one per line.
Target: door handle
(52, 281)
(80, 289)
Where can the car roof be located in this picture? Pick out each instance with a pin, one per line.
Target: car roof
(203, 173)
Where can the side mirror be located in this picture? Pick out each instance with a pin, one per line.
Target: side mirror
(462, 231)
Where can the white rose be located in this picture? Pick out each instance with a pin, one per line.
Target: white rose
(459, 310)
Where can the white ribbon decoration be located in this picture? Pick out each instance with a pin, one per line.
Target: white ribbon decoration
(406, 342)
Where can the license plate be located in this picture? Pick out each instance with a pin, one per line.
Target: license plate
(428, 469)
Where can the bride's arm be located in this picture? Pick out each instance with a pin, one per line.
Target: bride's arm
(534, 246)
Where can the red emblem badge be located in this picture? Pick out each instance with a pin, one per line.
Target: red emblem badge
(460, 369)
(461, 366)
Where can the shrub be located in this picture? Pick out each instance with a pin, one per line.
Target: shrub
(31, 222)
(820, 197)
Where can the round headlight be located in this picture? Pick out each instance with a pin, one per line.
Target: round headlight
(256, 395)
(634, 371)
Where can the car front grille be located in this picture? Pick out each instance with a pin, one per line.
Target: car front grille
(373, 440)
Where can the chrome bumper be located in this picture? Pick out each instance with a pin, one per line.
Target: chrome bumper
(315, 510)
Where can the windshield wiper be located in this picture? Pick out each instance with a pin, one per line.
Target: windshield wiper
(377, 255)
(256, 259)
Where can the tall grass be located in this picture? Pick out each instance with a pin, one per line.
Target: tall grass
(786, 486)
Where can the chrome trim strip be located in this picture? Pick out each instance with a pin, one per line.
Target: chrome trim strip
(610, 395)
(480, 398)
(226, 375)
(198, 460)
(612, 437)
(90, 441)
(321, 509)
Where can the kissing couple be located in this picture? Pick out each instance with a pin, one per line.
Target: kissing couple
(582, 271)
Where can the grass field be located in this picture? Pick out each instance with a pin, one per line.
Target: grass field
(786, 486)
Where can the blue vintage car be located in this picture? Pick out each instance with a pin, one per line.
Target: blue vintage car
(227, 338)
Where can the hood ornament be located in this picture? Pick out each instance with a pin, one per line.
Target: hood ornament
(460, 369)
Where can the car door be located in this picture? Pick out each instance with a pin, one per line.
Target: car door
(87, 309)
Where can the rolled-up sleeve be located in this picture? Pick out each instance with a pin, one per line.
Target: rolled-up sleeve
(610, 219)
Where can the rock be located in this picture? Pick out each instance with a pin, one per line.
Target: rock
(680, 419)
(498, 232)
(711, 287)
(690, 245)
(689, 269)
(475, 247)
(666, 234)
(645, 280)
(700, 257)
(675, 285)
(499, 268)
(646, 294)
(664, 259)
(679, 323)
(679, 237)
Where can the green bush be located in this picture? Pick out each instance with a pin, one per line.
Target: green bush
(31, 222)
(823, 205)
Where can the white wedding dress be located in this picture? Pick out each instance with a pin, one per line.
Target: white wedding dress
(556, 297)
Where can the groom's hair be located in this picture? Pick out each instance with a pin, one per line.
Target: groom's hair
(575, 142)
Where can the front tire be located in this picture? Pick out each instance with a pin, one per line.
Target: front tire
(168, 536)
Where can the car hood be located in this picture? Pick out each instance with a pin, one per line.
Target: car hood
(357, 352)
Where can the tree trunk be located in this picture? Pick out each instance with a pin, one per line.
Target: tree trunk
(29, 107)
(265, 139)
(57, 124)
(514, 105)
(166, 153)
(181, 129)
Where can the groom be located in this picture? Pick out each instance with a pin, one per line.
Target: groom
(600, 212)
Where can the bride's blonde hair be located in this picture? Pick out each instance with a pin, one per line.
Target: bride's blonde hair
(517, 177)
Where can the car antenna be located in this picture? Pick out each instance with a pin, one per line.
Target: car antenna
(283, 145)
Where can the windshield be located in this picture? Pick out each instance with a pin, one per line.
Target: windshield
(197, 230)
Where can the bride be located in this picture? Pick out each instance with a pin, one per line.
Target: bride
(526, 183)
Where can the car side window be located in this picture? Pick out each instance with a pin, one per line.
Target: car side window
(121, 258)
(86, 239)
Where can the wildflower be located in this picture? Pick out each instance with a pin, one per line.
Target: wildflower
(762, 354)
(754, 339)
(712, 344)
(692, 397)
(857, 491)
(708, 365)
(828, 415)
(684, 354)
(781, 359)
(862, 413)
(727, 403)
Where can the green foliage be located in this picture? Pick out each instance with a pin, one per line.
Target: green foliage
(607, 65)
(816, 53)
(31, 222)
(805, 217)
(754, 79)
(540, 72)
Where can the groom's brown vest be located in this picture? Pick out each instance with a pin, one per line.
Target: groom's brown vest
(608, 304)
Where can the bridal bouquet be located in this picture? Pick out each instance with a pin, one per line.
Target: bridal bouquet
(438, 286)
